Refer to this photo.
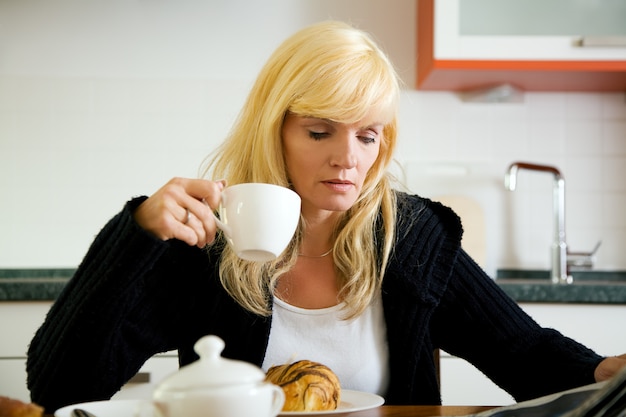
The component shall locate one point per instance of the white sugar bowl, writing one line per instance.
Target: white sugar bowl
(215, 386)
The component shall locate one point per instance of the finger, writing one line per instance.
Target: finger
(202, 208)
(609, 367)
(209, 191)
(198, 217)
(197, 228)
(182, 228)
(160, 215)
(199, 196)
(205, 232)
(176, 216)
(187, 217)
(202, 221)
(168, 212)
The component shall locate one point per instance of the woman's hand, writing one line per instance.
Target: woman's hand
(609, 367)
(181, 209)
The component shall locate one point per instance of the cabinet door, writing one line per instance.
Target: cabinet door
(450, 59)
(20, 320)
(151, 373)
(13, 378)
(597, 326)
(463, 384)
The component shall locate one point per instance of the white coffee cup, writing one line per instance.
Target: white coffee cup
(258, 219)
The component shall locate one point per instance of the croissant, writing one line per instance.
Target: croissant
(11, 407)
(308, 386)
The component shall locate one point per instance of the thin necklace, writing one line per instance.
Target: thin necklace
(317, 256)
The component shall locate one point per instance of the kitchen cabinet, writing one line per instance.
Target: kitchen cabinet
(18, 323)
(13, 378)
(597, 326)
(463, 384)
(151, 373)
(451, 56)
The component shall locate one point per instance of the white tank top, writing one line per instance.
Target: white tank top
(356, 349)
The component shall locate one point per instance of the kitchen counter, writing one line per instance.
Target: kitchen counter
(33, 284)
(589, 287)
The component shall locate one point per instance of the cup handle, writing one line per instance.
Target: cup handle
(225, 228)
(278, 401)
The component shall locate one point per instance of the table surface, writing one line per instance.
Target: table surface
(410, 411)
(417, 411)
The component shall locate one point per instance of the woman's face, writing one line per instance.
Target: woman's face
(327, 161)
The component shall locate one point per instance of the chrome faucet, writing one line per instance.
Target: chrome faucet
(559, 273)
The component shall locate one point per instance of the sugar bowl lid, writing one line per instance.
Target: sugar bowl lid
(211, 370)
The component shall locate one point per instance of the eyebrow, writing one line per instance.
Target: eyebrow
(333, 122)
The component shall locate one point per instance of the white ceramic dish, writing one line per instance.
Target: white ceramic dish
(113, 408)
(351, 401)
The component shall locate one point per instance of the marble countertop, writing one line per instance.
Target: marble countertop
(43, 284)
(589, 287)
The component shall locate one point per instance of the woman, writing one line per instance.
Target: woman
(372, 283)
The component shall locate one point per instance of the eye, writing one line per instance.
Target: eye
(317, 135)
(367, 139)
(368, 136)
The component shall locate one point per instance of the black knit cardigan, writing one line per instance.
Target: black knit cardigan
(134, 296)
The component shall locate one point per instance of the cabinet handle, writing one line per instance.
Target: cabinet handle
(140, 378)
(600, 41)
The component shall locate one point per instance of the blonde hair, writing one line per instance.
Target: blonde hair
(328, 70)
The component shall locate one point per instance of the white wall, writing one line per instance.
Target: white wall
(104, 100)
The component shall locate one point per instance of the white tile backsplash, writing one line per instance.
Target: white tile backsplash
(546, 106)
(583, 106)
(583, 135)
(578, 135)
(614, 174)
(613, 106)
(582, 174)
(547, 137)
(612, 137)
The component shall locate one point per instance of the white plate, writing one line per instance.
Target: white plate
(351, 401)
(113, 408)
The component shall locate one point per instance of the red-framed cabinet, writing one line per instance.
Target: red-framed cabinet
(449, 60)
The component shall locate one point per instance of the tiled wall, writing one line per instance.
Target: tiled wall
(455, 147)
(73, 150)
(91, 116)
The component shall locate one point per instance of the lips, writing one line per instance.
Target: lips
(339, 185)
(339, 182)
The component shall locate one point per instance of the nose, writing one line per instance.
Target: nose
(344, 152)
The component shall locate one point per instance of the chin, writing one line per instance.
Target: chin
(340, 206)
(336, 203)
